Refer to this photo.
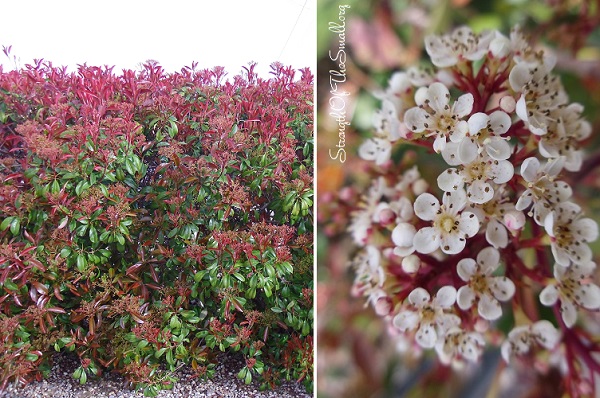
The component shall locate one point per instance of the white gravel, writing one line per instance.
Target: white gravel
(225, 384)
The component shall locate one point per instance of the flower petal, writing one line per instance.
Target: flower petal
(465, 297)
(455, 201)
(419, 297)
(569, 313)
(426, 240)
(477, 122)
(467, 150)
(415, 119)
(502, 171)
(445, 297)
(468, 223)
(463, 105)
(439, 96)
(480, 192)
(426, 206)
(466, 268)
(426, 336)
(529, 169)
(502, 288)
(549, 295)
(587, 229)
(452, 243)
(450, 154)
(406, 320)
(489, 308)
(499, 122)
(496, 234)
(450, 180)
(498, 148)
(588, 296)
(546, 334)
(488, 260)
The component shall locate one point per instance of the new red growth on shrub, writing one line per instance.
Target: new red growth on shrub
(151, 218)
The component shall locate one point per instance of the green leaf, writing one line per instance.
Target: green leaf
(6, 223)
(10, 285)
(81, 262)
(142, 344)
(239, 276)
(15, 226)
(93, 235)
(83, 378)
(248, 378)
(65, 252)
(160, 352)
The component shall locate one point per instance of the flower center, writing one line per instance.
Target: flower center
(479, 283)
(446, 223)
(427, 314)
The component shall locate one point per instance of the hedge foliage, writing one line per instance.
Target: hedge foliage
(150, 220)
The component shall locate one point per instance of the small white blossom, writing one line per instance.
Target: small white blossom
(499, 217)
(541, 94)
(480, 176)
(461, 44)
(521, 338)
(482, 285)
(363, 219)
(569, 233)
(430, 316)
(451, 226)
(485, 134)
(458, 344)
(435, 116)
(543, 190)
(574, 287)
(370, 275)
(376, 149)
(564, 136)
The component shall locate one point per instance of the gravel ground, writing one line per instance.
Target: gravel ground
(225, 384)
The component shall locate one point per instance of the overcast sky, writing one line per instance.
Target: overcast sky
(125, 33)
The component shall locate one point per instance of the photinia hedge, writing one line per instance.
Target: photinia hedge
(150, 220)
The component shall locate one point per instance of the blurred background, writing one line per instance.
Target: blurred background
(356, 356)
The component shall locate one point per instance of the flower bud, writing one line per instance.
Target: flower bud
(507, 104)
(411, 264)
(514, 220)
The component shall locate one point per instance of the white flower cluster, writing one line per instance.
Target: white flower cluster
(503, 125)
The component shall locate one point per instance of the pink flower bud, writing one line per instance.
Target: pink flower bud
(514, 220)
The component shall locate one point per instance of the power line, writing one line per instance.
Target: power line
(292, 31)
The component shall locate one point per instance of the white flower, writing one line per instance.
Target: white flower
(569, 233)
(541, 94)
(564, 135)
(482, 286)
(485, 133)
(370, 275)
(499, 216)
(362, 220)
(430, 316)
(524, 53)
(376, 149)
(451, 226)
(461, 44)
(574, 287)
(522, 337)
(480, 175)
(458, 344)
(542, 188)
(435, 116)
